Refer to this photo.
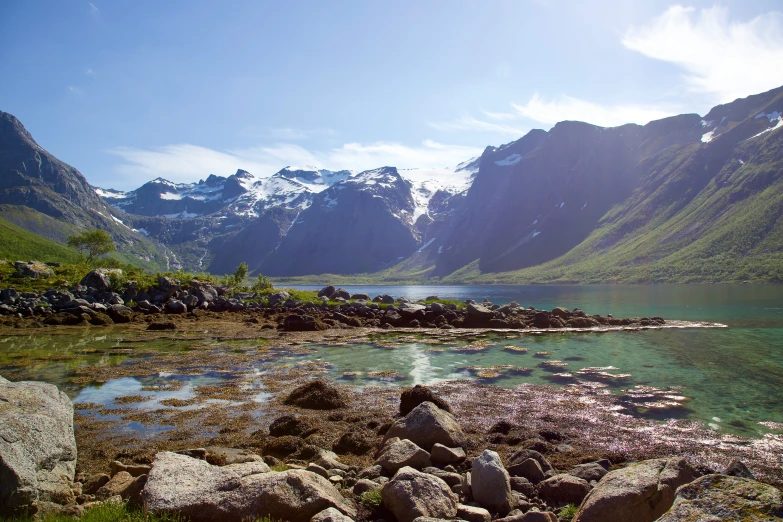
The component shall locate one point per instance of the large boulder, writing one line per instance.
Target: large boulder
(203, 492)
(640, 492)
(402, 453)
(33, 269)
(412, 397)
(479, 311)
(37, 447)
(426, 426)
(330, 515)
(412, 494)
(97, 279)
(563, 489)
(721, 497)
(302, 323)
(589, 472)
(318, 394)
(490, 483)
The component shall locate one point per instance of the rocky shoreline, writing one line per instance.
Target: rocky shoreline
(429, 458)
(94, 302)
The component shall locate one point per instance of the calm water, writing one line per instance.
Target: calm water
(733, 376)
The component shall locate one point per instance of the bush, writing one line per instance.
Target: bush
(568, 512)
(372, 498)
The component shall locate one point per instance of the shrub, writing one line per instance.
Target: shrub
(372, 498)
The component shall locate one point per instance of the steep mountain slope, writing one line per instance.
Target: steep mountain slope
(42, 194)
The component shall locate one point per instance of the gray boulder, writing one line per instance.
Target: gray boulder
(327, 291)
(720, 497)
(33, 269)
(175, 307)
(37, 447)
(445, 455)
(402, 453)
(330, 515)
(589, 472)
(426, 426)
(480, 312)
(640, 492)
(203, 492)
(490, 483)
(529, 469)
(473, 514)
(524, 454)
(412, 494)
(563, 489)
(97, 279)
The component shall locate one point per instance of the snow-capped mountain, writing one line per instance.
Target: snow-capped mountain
(207, 222)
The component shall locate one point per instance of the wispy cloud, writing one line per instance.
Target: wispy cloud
(719, 56)
(89, 72)
(294, 134)
(539, 111)
(75, 91)
(186, 162)
(93, 8)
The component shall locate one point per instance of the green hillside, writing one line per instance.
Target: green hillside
(19, 244)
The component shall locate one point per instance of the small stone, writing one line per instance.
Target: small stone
(529, 469)
(315, 468)
(444, 455)
(330, 515)
(473, 514)
(400, 454)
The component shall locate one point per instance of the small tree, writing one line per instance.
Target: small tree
(241, 273)
(262, 283)
(94, 242)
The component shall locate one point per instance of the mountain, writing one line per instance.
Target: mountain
(42, 194)
(685, 198)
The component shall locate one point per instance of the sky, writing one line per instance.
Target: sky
(127, 91)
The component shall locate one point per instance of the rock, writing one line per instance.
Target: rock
(278, 298)
(563, 489)
(97, 279)
(315, 468)
(412, 397)
(360, 297)
(292, 425)
(641, 492)
(426, 426)
(541, 320)
(330, 515)
(529, 469)
(589, 472)
(738, 469)
(479, 312)
(473, 514)
(400, 454)
(535, 516)
(168, 286)
(363, 486)
(220, 456)
(490, 483)
(124, 485)
(444, 455)
(328, 459)
(354, 443)
(94, 482)
(282, 447)
(203, 291)
(162, 326)
(175, 307)
(522, 485)
(33, 269)
(327, 291)
(133, 470)
(302, 323)
(37, 446)
(713, 498)
(120, 313)
(373, 472)
(340, 293)
(317, 394)
(411, 494)
(203, 492)
(524, 454)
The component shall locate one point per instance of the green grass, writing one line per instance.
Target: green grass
(568, 512)
(372, 498)
(104, 513)
(18, 244)
(280, 467)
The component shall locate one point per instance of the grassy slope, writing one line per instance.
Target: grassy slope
(17, 243)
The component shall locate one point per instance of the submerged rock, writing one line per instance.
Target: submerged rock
(37, 447)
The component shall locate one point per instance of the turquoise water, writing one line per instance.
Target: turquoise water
(730, 378)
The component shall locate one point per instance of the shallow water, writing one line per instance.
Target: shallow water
(729, 378)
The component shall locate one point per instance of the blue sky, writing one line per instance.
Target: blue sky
(128, 91)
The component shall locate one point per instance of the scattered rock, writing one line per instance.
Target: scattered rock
(330, 515)
(641, 492)
(97, 279)
(738, 469)
(426, 426)
(318, 394)
(94, 482)
(33, 269)
(124, 485)
(522, 485)
(203, 492)
(363, 486)
(589, 472)
(529, 469)
(37, 447)
(524, 454)
(133, 470)
(563, 489)
(400, 454)
(720, 497)
(490, 483)
(412, 494)
(412, 397)
(473, 514)
(445, 455)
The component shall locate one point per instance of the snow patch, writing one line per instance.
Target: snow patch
(143, 231)
(535, 233)
(708, 137)
(511, 160)
(777, 126)
(425, 245)
(170, 196)
(561, 204)
(706, 123)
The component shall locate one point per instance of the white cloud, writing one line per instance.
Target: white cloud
(93, 8)
(75, 91)
(468, 122)
(89, 72)
(719, 56)
(294, 134)
(568, 108)
(187, 163)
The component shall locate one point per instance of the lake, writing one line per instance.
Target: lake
(730, 378)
